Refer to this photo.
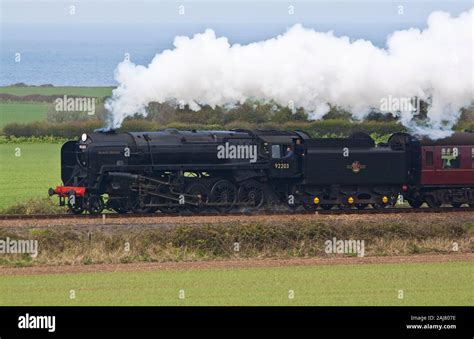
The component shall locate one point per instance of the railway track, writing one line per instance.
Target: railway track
(105, 216)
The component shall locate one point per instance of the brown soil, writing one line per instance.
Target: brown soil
(243, 263)
(166, 220)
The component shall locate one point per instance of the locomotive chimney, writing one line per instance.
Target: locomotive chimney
(104, 130)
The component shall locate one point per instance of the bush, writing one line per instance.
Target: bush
(40, 129)
(315, 128)
(54, 116)
(34, 206)
(466, 126)
(32, 140)
(285, 239)
(344, 128)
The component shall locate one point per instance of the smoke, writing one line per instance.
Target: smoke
(309, 69)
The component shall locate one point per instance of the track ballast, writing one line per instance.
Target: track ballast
(237, 213)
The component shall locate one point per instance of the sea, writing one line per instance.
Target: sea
(73, 60)
(40, 43)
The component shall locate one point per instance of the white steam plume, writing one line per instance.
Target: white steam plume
(311, 69)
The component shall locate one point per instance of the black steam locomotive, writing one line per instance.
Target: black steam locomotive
(173, 171)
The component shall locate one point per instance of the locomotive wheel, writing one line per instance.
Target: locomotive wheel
(223, 192)
(117, 205)
(326, 207)
(164, 189)
(379, 206)
(78, 206)
(120, 210)
(135, 204)
(293, 207)
(310, 207)
(95, 204)
(456, 204)
(415, 203)
(361, 206)
(344, 206)
(250, 193)
(432, 202)
(201, 192)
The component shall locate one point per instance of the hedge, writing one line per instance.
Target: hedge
(315, 128)
(322, 128)
(260, 239)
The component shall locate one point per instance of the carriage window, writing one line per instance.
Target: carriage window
(276, 152)
(450, 157)
(429, 158)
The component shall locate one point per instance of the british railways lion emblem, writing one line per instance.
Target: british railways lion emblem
(356, 167)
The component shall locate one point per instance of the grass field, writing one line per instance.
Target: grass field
(82, 91)
(422, 284)
(29, 175)
(22, 112)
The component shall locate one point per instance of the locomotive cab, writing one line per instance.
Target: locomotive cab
(283, 152)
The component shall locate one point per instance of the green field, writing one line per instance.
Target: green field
(379, 284)
(30, 174)
(22, 112)
(80, 91)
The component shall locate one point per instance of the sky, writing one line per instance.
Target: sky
(81, 42)
(242, 21)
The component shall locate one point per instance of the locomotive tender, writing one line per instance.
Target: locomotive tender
(173, 171)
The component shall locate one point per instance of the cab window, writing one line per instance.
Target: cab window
(450, 157)
(276, 152)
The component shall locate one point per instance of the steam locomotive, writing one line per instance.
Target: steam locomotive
(194, 171)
